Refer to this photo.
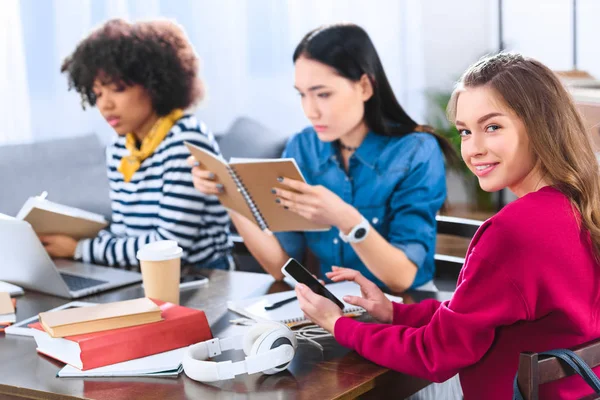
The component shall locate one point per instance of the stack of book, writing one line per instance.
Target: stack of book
(139, 337)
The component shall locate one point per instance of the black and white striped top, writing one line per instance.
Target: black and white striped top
(160, 202)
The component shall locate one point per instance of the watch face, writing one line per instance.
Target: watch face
(360, 233)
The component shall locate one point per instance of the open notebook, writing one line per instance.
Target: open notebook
(290, 313)
(248, 184)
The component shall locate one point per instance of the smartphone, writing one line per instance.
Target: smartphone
(295, 271)
(187, 281)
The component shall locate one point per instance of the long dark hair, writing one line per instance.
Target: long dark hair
(348, 49)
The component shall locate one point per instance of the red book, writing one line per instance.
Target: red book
(180, 327)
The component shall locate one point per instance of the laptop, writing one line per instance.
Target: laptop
(25, 262)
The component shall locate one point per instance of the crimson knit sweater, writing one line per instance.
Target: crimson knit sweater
(529, 283)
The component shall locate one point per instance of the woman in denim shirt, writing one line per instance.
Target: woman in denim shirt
(373, 174)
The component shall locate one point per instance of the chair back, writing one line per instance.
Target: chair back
(449, 266)
(535, 370)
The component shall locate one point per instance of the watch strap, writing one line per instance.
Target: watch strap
(358, 233)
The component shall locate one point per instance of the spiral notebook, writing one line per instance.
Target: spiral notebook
(248, 185)
(290, 313)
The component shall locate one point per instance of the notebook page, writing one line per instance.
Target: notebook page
(42, 204)
(46, 217)
(254, 308)
(259, 178)
(231, 198)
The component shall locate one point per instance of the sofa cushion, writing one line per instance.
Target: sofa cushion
(71, 170)
(249, 139)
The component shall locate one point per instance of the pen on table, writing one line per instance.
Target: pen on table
(279, 303)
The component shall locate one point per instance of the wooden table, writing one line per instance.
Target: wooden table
(336, 373)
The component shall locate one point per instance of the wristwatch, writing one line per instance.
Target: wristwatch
(358, 233)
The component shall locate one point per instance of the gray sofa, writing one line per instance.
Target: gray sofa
(73, 172)
(248, 138)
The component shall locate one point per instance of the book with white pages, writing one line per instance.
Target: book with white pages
(290, 313)
(47, 217)
(163, 365)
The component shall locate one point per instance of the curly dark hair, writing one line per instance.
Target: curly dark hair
(156, 55)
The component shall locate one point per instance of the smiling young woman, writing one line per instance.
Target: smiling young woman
(530, 280)
(142, 77)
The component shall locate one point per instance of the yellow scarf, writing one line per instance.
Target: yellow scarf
(131, 163)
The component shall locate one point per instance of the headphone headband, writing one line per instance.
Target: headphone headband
(271, 352)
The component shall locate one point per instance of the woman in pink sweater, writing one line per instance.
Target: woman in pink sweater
(531, 279)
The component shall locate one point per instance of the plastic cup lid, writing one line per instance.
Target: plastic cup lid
(159, 251)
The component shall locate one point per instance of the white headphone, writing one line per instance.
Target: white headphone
(269, 348)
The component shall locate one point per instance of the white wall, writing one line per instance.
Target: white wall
(246, 49)
(455, 34)
(588, 12)
(544, 30)
(541, 30)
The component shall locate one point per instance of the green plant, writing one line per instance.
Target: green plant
(438, 101)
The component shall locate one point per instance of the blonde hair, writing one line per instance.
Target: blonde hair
(556, 132)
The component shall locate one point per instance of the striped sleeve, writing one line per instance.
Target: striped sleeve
(174, 210)
(112, 250)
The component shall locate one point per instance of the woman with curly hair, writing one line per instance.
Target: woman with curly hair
(142, 77)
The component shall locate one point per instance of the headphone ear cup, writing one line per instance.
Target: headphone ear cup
(254, 333)
(271, 339)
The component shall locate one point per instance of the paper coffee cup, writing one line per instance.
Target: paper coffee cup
(160, 263)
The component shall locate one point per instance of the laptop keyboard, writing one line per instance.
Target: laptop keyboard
(76, 283)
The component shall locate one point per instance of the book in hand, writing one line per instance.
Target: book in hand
(103, 317)
(13, 290)
(162, 365)
(7, 309)
(290, 312)
(180, 327)
(47, 217)
(248, 184)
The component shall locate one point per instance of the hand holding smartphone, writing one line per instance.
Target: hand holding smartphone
(295, 271)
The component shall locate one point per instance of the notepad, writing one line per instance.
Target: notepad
(103, 317)
(46, 217)
(248, 184)
(290, 313)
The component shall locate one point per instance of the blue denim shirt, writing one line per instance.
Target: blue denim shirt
(397, 183)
